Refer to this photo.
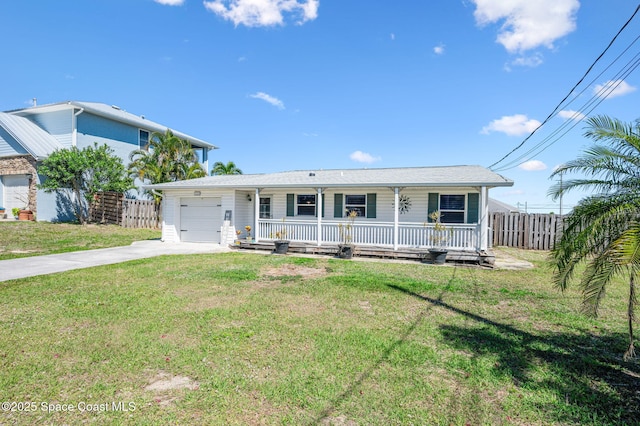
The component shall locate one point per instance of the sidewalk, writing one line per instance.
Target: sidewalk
(41, 265)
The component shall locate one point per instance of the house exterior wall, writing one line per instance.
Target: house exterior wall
(171, 209)
(8, 145)
(243, 210)
(418, 197)
(58, 124)
(22, 165)
(122, 138)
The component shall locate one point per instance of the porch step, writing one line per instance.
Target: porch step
(453, 256)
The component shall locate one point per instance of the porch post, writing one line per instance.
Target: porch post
(396, 203)
(256, 215)
(484, 218)
(319, 215)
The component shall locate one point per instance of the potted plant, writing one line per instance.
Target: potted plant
(441, 234)
(238, 232)
(345, 249)
(23, 213)
(281, 244)
(248, 229)
(15, 212)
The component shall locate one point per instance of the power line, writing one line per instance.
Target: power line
(585, 110)
(555, 110)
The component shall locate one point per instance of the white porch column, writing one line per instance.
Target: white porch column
(256, 215)
(319, 210)
(396, 203)
(484, 218)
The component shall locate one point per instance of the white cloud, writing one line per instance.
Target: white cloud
(263, 13)
(528, 24)
(613, 88)
(392, 36)
(363, 157)
(170, 2)
(439, 49)
(569, 114)
(512, 125)
(530, 61)
(269, 99)
(533, 166)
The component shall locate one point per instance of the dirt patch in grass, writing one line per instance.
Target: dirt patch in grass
(291, 270)
(163, 384)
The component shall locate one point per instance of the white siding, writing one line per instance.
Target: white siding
(171, 209)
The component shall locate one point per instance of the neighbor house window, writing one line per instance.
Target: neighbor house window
(356, 203)
(143, 138)
(306, 205)
(452, 208)
(265, 208)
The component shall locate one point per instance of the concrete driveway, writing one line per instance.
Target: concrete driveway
(41, 265)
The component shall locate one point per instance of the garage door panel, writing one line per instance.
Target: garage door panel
(16, 191)
(200, 219)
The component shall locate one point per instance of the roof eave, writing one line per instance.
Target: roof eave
(185, 185)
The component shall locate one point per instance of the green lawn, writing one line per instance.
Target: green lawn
(25, 238)
(239, 338)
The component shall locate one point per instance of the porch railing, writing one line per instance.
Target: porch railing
(462, 236)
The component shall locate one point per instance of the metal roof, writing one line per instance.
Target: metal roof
(29, 135)
(115, 113)
(445, 176)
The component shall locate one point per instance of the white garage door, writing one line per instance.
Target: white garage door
(200, 219)
(16, 191)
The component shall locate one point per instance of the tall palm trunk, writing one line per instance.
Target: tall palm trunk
(631, 350)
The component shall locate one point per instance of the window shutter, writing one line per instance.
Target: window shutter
(433, 205)
(371, 206)
(473, 206)
(337, 205)
(323, 203)
(291, 205)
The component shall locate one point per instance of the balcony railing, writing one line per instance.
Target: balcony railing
(460, 236)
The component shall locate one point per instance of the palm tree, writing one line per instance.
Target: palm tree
(603, 231)
(166, 158)
(220, 168)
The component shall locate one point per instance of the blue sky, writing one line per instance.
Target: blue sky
(318, 84)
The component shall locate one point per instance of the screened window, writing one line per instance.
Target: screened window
(306, 205)
(356, 203)
(143, 138)
(265, 208)
(452, 208)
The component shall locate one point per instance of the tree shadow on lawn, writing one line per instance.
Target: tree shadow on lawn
(587, 371)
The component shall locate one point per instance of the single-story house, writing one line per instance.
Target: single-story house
(393, 205)
(29, 135)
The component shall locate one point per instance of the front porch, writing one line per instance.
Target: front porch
(466, 257)
(382, 235)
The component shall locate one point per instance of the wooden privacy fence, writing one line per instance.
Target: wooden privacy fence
(114, 208)
(532, 231)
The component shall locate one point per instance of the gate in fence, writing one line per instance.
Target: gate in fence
(114, 208)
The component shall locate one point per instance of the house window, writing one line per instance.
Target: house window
(143, 138)
(356, 203)
(306, 205)
(265, 207)
(452, 208)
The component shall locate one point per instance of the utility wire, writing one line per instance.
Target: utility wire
(553, 113)
(573, 121)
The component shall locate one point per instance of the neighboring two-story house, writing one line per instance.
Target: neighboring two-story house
(28, 136)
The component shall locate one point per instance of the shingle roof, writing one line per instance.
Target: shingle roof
(29, 135)
(446, 176)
